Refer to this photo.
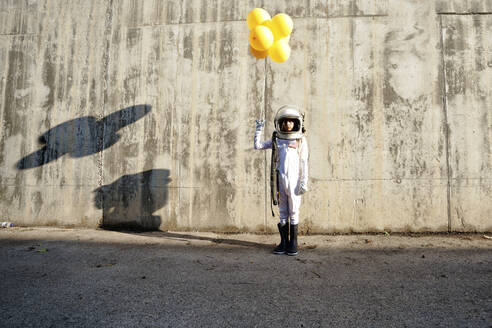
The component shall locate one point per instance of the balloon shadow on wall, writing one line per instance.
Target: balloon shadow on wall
(128, 203)
(82, 136)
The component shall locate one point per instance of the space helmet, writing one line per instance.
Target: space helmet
(292, 113)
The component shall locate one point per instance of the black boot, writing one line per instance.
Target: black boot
(284, 238)
(292, 246)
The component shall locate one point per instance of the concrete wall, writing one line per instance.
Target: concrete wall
(141, 112)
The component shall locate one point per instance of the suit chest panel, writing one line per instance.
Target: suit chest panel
(287, 145)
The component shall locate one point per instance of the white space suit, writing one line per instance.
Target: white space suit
(292, 166)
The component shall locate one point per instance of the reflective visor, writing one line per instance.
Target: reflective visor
(297, 124)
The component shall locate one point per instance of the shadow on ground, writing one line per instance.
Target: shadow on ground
(187, 237)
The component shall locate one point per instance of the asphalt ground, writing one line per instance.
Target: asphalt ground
(53, 277)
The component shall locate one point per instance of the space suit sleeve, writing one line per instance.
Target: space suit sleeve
(304, 164)
(258, 143)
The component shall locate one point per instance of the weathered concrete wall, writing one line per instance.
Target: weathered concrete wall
(468, 76)
(142, 113)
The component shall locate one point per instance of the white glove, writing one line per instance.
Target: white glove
(302, 188)
(260, 124)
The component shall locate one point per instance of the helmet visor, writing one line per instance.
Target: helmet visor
(289, 124)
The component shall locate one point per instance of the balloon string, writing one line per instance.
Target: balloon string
(265, 153)
(265, 93)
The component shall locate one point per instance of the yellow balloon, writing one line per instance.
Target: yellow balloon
(261, 38)
(280, 51)
(256, 17)
(258, 54)
(283, 24)
(287, 38)
(273, 28)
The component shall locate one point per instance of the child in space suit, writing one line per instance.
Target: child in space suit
(291, 164)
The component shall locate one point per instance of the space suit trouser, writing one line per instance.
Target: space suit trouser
(289, 201)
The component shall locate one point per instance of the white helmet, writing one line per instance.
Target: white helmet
(291, 113)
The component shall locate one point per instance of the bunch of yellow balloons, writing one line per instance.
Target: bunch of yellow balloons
(269, 36)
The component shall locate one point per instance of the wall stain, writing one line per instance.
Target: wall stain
(188, 46)
(456, 79)
(364, 116)
(226, 50)
(12, 118)
(36, 202)
(207, 45)
(133, 37)
(188, 14)
(48, 76)
(173, 12)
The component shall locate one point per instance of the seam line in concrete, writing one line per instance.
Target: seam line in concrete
(244, 20)
(446, 124)
(408, 179)
(385, 179)
(94, 186)
(109, 36)
(465, 14)
(191, 187)
(18, 34)
(345, 16)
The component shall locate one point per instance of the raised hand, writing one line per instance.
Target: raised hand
(260, 124)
